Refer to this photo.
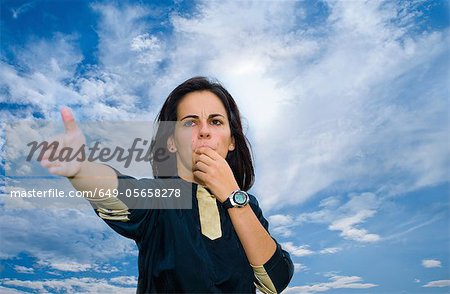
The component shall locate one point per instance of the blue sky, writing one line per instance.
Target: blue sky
(346, 104)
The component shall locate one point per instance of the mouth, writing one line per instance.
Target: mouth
(205, 145)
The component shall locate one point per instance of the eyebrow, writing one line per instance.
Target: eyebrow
(196, 116)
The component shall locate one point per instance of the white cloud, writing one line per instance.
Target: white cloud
(55, 59)
(38, 232)
(7, 290)
(297, 250)
(15, 203)
(42, 90)
(67, 266)
(282, 224)
(281, 220)
(344, 217)
(68, 285)
(347, 217)
(414, 224)
(38, 80)
(438, 283)
(348, 230)
(16, 12)
(298, 267)
(304, 250)
(336, 282)
(149, 48)
(110, 90)
(430, 263)
(330, 250)
(334, 139)
(23, 269)
(125, 280)
(329, 202)
(144, 42)
(105, 268)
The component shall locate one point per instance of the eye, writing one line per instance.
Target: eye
(189, 123)
(216, 122)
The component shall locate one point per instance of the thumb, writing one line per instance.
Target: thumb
(68, 120)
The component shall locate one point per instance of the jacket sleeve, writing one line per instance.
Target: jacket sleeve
(116, 211)
(275, 275)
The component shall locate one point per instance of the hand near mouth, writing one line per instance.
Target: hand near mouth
(212, 170)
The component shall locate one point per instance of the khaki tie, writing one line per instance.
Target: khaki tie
(209, 214)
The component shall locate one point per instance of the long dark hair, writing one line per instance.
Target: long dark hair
(240, 159)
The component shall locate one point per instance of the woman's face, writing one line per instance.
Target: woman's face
(202, 121)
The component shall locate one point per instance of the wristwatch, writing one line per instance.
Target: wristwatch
(237, 198)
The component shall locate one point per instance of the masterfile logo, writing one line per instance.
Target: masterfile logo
(96, 153)
(123, 145)
(128, 147)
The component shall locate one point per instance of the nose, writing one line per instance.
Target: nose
(204, 132)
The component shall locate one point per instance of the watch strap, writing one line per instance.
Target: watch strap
(227, 203)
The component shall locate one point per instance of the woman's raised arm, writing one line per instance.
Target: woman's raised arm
(84, 175)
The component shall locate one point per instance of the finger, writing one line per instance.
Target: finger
(54, 151)
(200, 166)
(47, 163)
(200, 176)
(208, 151)
(47, 154)
(68, 120)
(204, 159)
(53, 146)
(57, 170)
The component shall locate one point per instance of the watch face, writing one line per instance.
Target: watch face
(240, 198)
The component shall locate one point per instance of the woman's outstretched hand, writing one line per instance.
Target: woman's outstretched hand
(72, 140)
(213, 170)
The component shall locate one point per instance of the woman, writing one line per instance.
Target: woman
(222, 244)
